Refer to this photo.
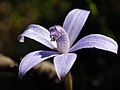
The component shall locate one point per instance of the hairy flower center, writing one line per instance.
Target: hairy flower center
(58, 34)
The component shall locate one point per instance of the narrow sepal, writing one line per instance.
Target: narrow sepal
(63, 64)
(33, 58)
(39, 34)
(96, 41)
(74, 22)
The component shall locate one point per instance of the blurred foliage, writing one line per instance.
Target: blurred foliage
(98, 70)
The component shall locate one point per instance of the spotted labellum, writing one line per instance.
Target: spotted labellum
(61, 40)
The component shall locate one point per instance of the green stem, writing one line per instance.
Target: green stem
(68, 82)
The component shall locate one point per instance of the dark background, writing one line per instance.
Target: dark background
(94, 69)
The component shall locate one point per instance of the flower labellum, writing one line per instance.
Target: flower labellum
(61, 40)
(59, 35)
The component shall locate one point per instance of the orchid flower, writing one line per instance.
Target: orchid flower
(61, 40)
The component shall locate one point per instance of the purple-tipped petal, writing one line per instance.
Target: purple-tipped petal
(33, 58)
(39, 34)
(96, 41)
(63, 64)
(74, 22)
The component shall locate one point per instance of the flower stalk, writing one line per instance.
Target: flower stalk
(68, 82)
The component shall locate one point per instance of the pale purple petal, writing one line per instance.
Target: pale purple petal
(33, 58)
(39, 34)
(63, 64)
(96, 41)
(74, 22)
